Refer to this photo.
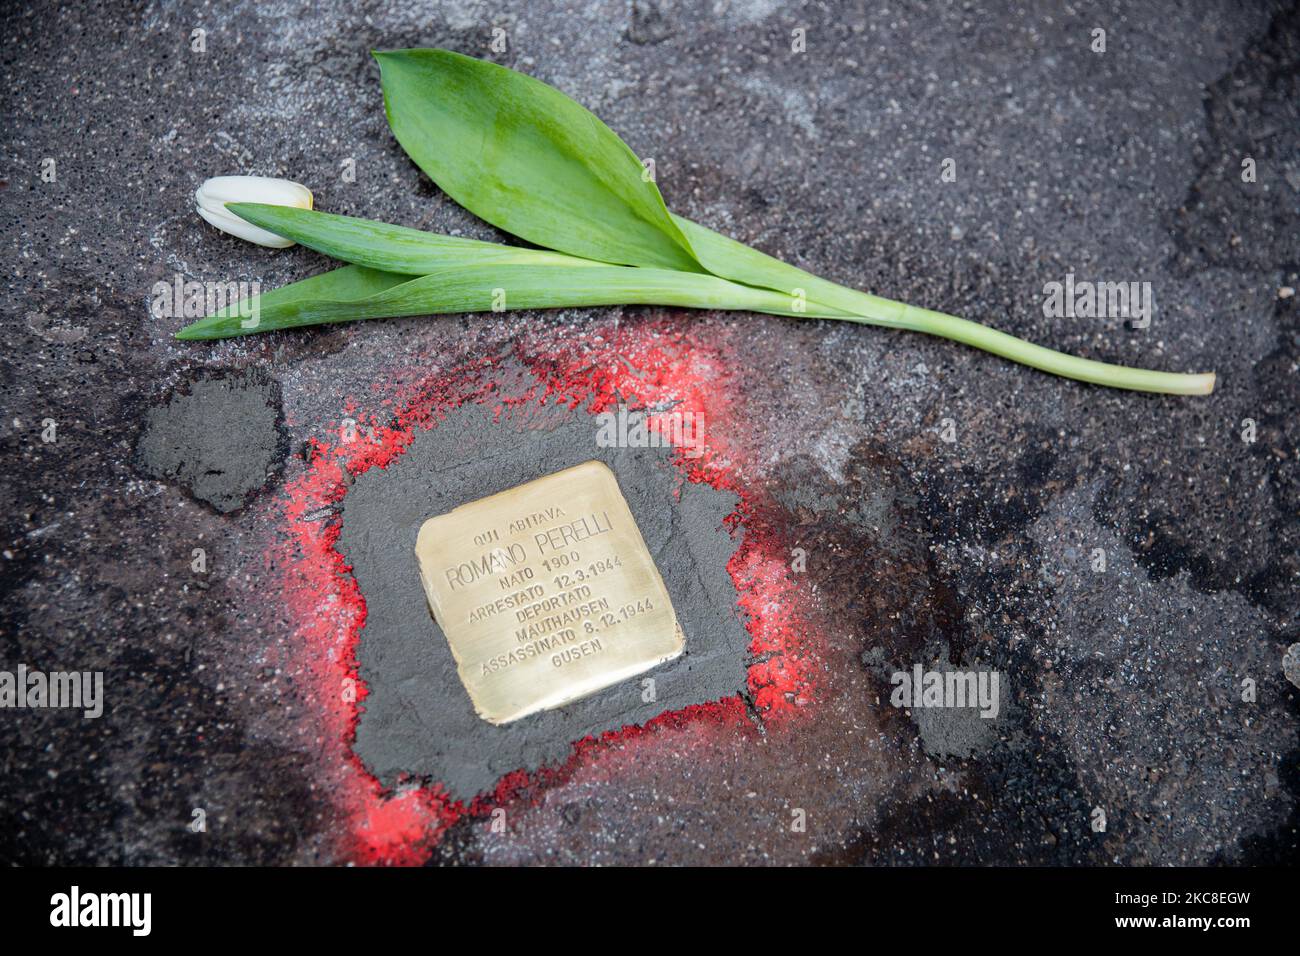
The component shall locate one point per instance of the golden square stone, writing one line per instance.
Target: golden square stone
(546, 593)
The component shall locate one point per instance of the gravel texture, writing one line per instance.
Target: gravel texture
(1149, 687)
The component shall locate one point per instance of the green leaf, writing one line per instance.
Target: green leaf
(347, 283)
(528, 159)
(377, 245)
(738, 262)
(487, 288)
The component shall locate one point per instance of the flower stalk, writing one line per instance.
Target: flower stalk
(526, 158)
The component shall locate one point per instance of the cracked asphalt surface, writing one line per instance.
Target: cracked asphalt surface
(1145, 683)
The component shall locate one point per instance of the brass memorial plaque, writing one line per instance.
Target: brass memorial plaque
(546, 593)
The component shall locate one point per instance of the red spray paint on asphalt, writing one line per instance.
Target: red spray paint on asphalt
(651, 364)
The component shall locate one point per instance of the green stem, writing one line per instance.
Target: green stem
(758, 282)
(878, 311)
(869, 309)
(738, 262)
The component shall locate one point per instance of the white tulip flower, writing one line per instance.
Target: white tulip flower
(212, 196)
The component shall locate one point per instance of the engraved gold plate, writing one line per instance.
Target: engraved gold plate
(546, 593)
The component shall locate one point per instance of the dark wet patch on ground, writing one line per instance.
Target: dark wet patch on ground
(219, 437)
(1252, 114)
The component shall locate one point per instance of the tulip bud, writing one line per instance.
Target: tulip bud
(212, 196)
